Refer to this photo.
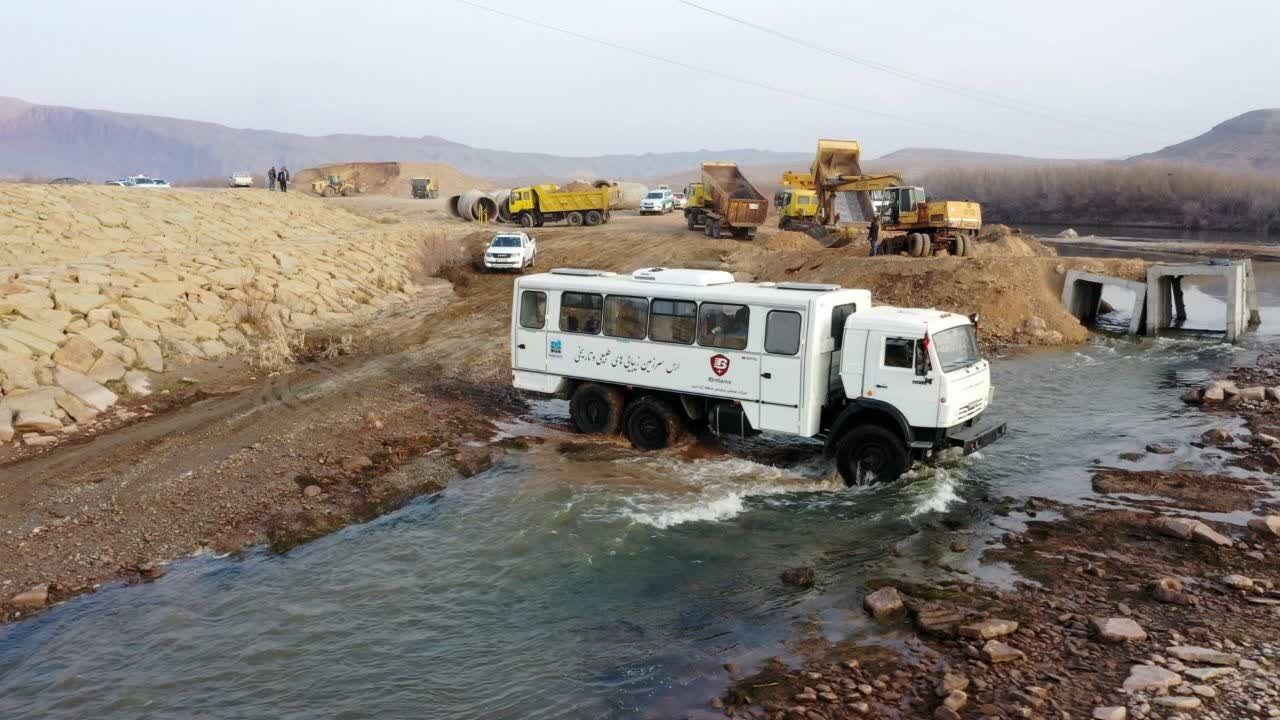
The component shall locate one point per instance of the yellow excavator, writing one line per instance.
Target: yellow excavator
(918, 226)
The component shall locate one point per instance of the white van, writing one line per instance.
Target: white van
(652, 353)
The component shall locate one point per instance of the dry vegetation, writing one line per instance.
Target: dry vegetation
(436, 255)
(1150, 194)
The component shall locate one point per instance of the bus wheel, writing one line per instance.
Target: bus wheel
(870, 454)
(652, 424)
(596, 409)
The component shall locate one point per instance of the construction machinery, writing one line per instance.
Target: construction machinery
(725, 201)
(910, 222)
(424, 188)
(333, 185)
(537, 205)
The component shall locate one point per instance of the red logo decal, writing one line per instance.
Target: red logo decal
(719, 365)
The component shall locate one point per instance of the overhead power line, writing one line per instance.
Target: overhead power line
(944, 85)
(711, 72)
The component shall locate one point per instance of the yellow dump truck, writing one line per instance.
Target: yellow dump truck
(536, 205)
(725, 201)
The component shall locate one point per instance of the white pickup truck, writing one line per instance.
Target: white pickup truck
(652, 353)
(511, 251)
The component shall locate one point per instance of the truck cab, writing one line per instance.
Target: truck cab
(663, 350)
(795, 204)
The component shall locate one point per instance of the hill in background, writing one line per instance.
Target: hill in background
(1245, 142)
(47, 140)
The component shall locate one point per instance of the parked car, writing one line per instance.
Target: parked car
(122, 182)
(657, 202)
(511, 251)
(681, 202)
(241, 180)
(142, 181)
(68, 181)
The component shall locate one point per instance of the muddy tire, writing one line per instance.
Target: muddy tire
(596, 409)
(574, 218)
(328, 191)
(607, 216)
(689, 223)
(870, 454)
(961, 246)
(915, 245)
(652, 424)
(593, 218)
(526, 219)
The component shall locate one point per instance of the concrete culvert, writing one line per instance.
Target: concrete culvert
(453, 205)
(504, 210)
(629, 195)
(474, 203)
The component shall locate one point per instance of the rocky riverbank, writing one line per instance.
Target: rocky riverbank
(1146, 611)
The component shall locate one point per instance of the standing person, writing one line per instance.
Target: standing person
(271, 178)
(283, 178)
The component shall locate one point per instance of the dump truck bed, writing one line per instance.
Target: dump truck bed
(732, 197)
(581, 200)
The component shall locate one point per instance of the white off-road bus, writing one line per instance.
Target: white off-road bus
(655, 352)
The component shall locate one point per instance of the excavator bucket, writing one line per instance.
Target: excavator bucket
(829, 240)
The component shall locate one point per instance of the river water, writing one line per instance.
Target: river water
(582, 580)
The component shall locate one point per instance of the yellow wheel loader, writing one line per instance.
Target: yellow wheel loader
(332, 186)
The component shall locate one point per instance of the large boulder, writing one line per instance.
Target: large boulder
(77, 353)
(79, 301)
(1201, 655)
(997, 652)
(86, 389)
(1269, 525)
(987, 629)
(19, 371)
(28, 421)
(1117, 630)
(1150, 678)
(883, 602)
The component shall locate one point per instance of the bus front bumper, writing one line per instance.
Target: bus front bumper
(974, 438)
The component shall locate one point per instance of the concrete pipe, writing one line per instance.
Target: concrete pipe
(504, 210)
(630, 194)
(452, 204)
(474, 204)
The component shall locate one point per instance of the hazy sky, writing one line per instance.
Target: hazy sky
(1063, 79)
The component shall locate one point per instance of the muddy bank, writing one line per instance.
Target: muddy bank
(1145, 610)
(280, 462)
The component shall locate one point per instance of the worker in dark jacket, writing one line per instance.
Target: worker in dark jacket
(283, 178)
(271, 178)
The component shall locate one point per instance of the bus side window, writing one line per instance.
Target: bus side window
(533, 309)
(723, 326)
(581, 312)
